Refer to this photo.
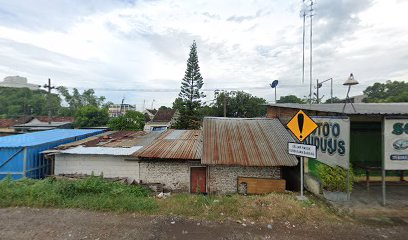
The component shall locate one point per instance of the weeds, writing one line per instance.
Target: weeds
(90, 193)
(96, 193)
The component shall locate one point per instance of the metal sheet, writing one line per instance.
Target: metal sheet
(174, 144)
(43, 137)
(361, 108)
(246, 142)
(102, 150)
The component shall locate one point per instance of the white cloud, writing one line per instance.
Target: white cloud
(241, 44)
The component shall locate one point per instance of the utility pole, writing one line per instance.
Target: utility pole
(303, 55)
(49, 87)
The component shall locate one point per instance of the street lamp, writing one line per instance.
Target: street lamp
(349, 82)
(320, 84)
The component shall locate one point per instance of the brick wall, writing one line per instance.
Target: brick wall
(110, 166)
(175, 175)
(223, 179)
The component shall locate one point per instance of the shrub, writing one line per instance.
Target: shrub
(334, 179)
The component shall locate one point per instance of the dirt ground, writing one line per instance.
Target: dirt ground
(32, 223)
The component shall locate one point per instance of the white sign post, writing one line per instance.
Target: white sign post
(395, 146)
(301, 150)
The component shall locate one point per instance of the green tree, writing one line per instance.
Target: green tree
(91, 116)
(190, 93)
(334, 100)
(77, 100)
(132, 120)
(290, 99)
(391, 91)
(15, 102)
(239, 104)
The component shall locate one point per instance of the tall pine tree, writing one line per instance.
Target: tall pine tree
(190, 93)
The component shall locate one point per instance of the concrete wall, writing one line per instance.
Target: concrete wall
(223, 179)
(110, 166)
(175, 175)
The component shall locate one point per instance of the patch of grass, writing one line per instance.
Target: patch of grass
(91, 193)
(274, 206)
(95, 193)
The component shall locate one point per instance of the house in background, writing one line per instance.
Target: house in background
(149, 114)
(40, 123)
(6, 125)
(162, 120)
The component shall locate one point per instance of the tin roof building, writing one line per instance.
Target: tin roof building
(20, 155)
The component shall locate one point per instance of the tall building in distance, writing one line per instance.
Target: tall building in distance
(116, 110)
(18, 82)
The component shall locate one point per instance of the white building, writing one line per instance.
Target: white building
(18, 82)
(116, 110)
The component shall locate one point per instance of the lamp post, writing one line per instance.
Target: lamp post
(349, 82)
(320, 84)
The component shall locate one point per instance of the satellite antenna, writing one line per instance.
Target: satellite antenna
(274, 84)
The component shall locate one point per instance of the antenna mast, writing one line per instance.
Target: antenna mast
(311, 42)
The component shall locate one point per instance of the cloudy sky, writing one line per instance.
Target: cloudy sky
(138, 49)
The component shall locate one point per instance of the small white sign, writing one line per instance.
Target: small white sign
(303, 150)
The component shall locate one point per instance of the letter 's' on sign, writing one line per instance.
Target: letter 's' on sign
(301, 125)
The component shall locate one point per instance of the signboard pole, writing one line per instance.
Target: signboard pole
(383, 161)
(348, 184)
(301, 177)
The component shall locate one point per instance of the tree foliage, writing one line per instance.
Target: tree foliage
(190, 93)
(77, 100)
(290, 99)
(15, 102)
(132, 120)
(391, 91)
(239, 105)
(91, 116)
(333, 100)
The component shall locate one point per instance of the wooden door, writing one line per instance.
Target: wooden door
(198, 179)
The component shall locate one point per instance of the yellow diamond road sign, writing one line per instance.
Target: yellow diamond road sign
(301, 125)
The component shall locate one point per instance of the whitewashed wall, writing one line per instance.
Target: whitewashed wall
(110, 166)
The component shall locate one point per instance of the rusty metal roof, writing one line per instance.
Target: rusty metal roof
(246, 142)
(174, 144)
(119, 139)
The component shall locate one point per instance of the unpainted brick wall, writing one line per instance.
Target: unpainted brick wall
(223, 179)
(175, 175)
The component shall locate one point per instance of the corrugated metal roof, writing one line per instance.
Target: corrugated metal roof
(37, 138)
(174, 144)
(124, 139)
(361, 108)
(246, 142)
(102, 150)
